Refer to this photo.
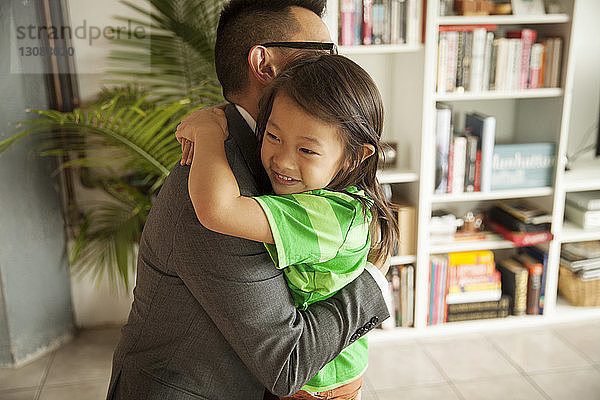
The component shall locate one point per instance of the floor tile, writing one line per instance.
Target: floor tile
(18, 395)
(468, 359)
(579, 384)
(369, 396)
(584, 337)
(392, 366)
(29, 375)
(514, 387)
(92, 390)
(89, 356)
(437, 392)
(538, 350)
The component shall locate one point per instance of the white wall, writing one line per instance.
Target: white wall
(586, 86)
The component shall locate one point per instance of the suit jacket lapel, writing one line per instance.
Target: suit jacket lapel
(249, 146)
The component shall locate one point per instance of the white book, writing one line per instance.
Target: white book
(413, 21)
(472, 297)
(535, 65)
(443, 133)
(513, 72)
(442, 62)
(451, 61)
(477, 59)
(501, 63)
(459, 157)
(583, 218)
(487, 60)
(589, 200)
(549, 52)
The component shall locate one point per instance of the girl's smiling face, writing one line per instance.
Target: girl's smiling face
(299, 152)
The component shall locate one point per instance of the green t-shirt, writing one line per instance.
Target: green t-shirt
(321, 242)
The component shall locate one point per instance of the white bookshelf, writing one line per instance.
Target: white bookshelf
(535, 115)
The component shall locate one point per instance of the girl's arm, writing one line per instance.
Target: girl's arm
(211, 184)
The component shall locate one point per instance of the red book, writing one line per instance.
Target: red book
(466, 28)
(521, 239)
(367, 21)
(347, 23)
(477, 184)
(527, 37)
(450, 167)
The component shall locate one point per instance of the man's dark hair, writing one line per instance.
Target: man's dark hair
(246, 23)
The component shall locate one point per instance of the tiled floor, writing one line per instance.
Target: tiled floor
(551, 362)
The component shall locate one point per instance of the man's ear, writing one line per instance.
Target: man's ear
(368, 151)
(261, 64)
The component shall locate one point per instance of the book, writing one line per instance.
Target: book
(458, 155)
(510, 222)
(502, 64)
(471, 169)
(406, 215)
(534, 280)
(398, 22)
(482, 259)
(478, 59)
(379, 14)
(367, 25)
(474, 315)
(540, 253)
(535, 66)
(484, 127)
(584, 218)
(525, 212)
(514, 284)
(413, 21)
(521, 239)
(458, 308)
(443, 136)
(358, 22)
(524, 165)
(585, 200)
(347, 22)
(527, 37)
(487, 61)
(583, 250)
(407, 295)
(556, 62)
(514, 64)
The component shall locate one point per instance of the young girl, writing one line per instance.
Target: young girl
(320, 122)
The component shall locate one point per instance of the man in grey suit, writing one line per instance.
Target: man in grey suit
(212, 318)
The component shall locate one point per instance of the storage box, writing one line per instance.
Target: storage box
(516, 166)
(578, 292)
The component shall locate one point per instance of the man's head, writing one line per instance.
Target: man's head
(244, 24)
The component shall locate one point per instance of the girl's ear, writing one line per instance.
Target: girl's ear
(368, 151)
(261, 64)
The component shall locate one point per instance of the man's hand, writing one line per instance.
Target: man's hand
(197, 125)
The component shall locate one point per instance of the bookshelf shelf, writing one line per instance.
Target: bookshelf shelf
(470, 245)
(583, 176)
(379, 49)
(573, 233)
(494, 195)
(402, 260)
(505, 19)
(499, 95)
(397, 175)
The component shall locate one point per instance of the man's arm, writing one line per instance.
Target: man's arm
(252, 307)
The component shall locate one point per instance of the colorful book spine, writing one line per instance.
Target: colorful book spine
(541, 256)
(347, 23)
(358, 19)
(521, 239)
(514, 284)
(535, 270)
(367, 26)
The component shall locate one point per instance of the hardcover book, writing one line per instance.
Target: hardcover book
(514, 284)
(514, 224)
(585, 200)
(517, 166)
(525, 212)
(521, 239)
(484, 127)
(534, 285)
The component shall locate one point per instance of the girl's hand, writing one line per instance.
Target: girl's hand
(199, 125)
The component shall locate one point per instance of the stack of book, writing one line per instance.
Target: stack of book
(476, 58)
(464, 160)
(471, 161)
(465, 286)
(520, 222)
(522, 281)
(401, 279)
(582, 258)
(583, 209)
(366, 22)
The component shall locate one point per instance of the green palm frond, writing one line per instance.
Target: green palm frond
(109, 233)
(174, 57)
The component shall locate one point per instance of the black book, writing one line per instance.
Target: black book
(514, 224)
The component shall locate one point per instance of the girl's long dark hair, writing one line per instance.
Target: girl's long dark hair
(337, 91)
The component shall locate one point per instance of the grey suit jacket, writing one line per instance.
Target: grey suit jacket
(212, 318)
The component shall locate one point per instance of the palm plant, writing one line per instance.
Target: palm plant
(123, 144)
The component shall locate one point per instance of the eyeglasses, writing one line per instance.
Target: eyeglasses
(325, 46)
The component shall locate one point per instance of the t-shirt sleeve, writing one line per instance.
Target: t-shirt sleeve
(307, 228)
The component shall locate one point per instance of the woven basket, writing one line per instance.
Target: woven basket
(578, 292)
